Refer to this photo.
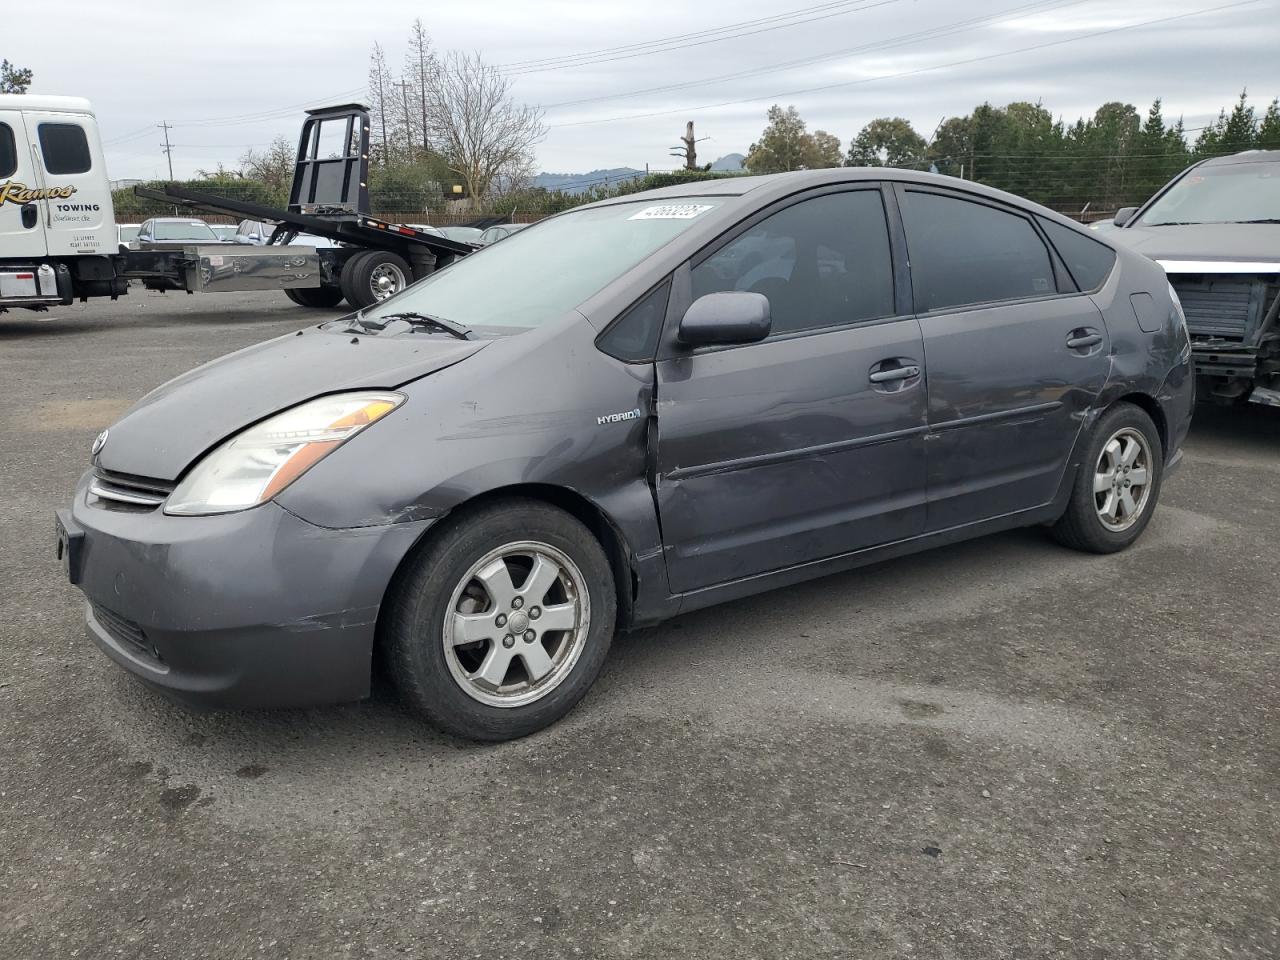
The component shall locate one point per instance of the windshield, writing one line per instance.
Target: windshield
(186, 230)
(1233, 193)
(542, 273)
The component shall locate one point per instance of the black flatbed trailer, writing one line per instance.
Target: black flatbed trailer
(370, 260)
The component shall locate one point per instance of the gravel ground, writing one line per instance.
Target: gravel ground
(998, 749)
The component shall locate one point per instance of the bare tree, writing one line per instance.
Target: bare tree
(382, 93)
(420, 67)
(272, 166)
(485, 136)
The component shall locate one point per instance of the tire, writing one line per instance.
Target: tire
(318, 298)
(495, 687)
(374, 275)
(1102, 522)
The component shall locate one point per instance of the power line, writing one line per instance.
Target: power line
(865, 5)
(933, 33)
(542, 61)
(911, 73)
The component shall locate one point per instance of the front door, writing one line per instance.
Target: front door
(1016, 356)
(77, 215)
(21, 218)
(808, 444)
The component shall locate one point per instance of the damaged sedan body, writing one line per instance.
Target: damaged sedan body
(634, 409)
(1215, 228)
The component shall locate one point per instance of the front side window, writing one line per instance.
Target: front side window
(1226, 193)
(965, 253)
(821, 262)
(8, 151)
(65, 148)
(542, 273)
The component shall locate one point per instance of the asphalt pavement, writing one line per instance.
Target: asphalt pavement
(997, 749)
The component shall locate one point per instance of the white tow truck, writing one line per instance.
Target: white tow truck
(58, 239)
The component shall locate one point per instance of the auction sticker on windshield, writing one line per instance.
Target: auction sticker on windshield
(671, 211)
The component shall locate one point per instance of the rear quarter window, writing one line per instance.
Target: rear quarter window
(1089, 261)
(8, 151)
(65, 148)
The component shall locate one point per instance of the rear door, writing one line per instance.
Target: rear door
(77, 214)
(808, 444)
(1016, 355)
(21, 220)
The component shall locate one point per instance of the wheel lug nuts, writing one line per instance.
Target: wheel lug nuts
(508, 641)
(529, 636)
(501, 620)
(535, 613)
(517, 603)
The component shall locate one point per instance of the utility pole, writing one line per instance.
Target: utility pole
(168, 147)
(688, 151)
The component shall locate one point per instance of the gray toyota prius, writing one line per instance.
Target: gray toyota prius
(634, 409)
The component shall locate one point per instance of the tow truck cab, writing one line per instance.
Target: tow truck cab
(57, 226)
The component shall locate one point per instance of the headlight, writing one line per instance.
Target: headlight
(255, 465)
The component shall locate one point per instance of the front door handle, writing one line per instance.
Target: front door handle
(30, 215)
(894, 373)
(1084, 340)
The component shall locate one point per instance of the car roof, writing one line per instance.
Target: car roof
(50, 104)
(1248, 156)
(767, 187)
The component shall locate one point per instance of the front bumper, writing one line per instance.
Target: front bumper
(251, 609)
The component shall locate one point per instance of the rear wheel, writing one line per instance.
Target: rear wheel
(374, 275)
(1118, 485)
(502, 623)
(316, 297)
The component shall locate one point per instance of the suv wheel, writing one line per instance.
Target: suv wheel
(1118, 484)
(502, 623)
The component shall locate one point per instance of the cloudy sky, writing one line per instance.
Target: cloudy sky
(618, 81)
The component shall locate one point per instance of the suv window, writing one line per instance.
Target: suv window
(821, 262)
(964, 252)
(1088, 260)
(8, 151)
(65, 148)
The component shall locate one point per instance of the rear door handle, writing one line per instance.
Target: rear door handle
(1087, 340)
(894, 373)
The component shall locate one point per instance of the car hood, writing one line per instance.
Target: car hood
(1234, 242)
(177, 422)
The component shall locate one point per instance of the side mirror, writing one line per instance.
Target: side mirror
(730, 317)
(1124, 215)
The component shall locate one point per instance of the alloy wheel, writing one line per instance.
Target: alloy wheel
(1122, 479)
(385, 280)
(517, 623)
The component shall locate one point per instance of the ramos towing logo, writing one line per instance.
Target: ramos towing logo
(12, 191)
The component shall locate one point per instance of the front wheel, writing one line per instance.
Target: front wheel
(502, 623)
(1118, 485)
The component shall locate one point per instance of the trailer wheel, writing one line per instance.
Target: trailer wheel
(374, 275)
(316, 297)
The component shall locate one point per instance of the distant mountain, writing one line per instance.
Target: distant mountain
(578, 182)
(729, 162)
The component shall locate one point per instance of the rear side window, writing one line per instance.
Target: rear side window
(963, 252)
(633, 337)
(8, 151)
(821, 262)
(1088, 260)
(65, 148)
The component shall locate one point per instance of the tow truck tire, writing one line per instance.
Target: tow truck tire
(374, 275)
(316, 297)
